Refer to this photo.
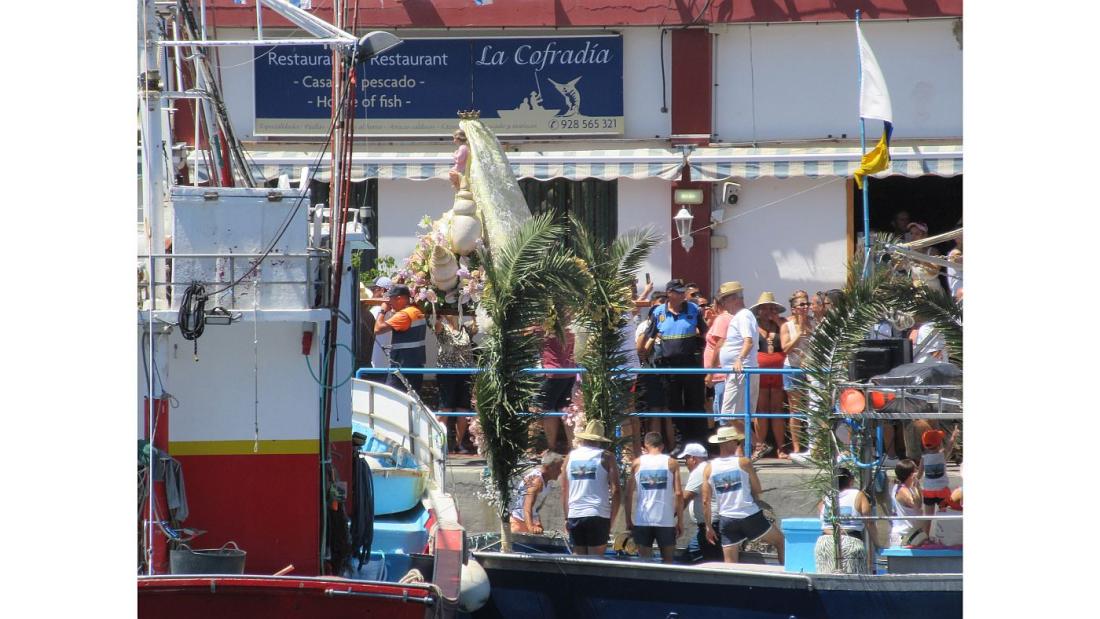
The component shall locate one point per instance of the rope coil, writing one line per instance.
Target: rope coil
(192, 314)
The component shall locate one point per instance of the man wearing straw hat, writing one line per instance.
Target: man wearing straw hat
(737, 352)
(733, 479)
(590, 491)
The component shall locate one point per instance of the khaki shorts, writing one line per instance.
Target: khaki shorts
(733, 398)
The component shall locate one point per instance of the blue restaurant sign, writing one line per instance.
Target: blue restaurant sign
(523, 86)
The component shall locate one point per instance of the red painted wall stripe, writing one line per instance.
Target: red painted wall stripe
(692, 104)
(566, 13)
(692, 82)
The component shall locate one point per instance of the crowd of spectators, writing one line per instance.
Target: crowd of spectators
(673, 327)
(678, 328)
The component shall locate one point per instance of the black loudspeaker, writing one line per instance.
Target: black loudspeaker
(876, 357)
(870, 361)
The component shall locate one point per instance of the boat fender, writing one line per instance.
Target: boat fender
(473, 587)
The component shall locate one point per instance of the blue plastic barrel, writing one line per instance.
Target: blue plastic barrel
(800, 535)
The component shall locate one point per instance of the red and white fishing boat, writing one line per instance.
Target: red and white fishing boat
(266, 456)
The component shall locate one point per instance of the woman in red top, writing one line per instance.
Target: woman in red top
(770, 355)
(556, 389)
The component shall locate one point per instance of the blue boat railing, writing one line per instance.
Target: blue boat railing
(746, 417)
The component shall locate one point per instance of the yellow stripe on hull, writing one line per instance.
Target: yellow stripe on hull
(250, 447)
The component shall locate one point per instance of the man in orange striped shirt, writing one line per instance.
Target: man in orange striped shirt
(409, 329)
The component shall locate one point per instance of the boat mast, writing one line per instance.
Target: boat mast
(153, 150)
(343, 101)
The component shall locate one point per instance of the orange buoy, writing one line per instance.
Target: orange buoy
(880, 399)
(852, 401)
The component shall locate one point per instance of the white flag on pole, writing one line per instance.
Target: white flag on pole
(874, 98)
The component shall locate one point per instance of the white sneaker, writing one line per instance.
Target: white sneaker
(800, 457)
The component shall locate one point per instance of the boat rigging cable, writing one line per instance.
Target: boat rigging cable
(233, 145)
(290, 216)
(344, 91)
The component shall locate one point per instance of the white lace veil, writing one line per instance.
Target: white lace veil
(496, 192)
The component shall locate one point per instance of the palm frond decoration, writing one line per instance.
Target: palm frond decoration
(935, 306)
(601, 312)
(867, 300)
(526, 276)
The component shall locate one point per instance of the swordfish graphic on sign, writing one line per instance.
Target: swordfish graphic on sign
(559, 65)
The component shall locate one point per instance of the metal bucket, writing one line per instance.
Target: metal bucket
(222, 560)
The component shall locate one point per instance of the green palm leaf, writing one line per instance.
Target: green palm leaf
(831, 349)
(527, 276)
(602, 312)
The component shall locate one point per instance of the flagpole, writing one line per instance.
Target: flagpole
(259, 20)
(866, 179)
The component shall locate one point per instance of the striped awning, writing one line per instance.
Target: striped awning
(717, 164)
(542, 165)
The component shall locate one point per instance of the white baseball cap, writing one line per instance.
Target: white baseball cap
(384, 283)
(695, 449)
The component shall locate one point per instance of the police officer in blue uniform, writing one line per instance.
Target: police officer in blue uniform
(678, 327)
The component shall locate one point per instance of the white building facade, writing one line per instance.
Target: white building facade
(783, 123)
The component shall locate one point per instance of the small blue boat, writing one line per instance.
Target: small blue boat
(399, 482)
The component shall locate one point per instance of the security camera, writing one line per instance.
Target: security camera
(730, 192)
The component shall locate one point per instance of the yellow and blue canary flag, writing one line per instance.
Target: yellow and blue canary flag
(874, 102)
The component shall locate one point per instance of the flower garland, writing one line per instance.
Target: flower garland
(416, 270)
(574, 413)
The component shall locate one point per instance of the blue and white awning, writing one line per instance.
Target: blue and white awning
(542, 165)
(718, 164)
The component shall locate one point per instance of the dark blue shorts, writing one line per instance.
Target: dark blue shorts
(454, 391)
(555, 393)
(648, 393)
(644, 536)
(733, 531)
(588, 531)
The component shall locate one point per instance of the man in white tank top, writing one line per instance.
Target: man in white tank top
(734, 480)
(530, 486)
(654, 507)
(590, 491)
